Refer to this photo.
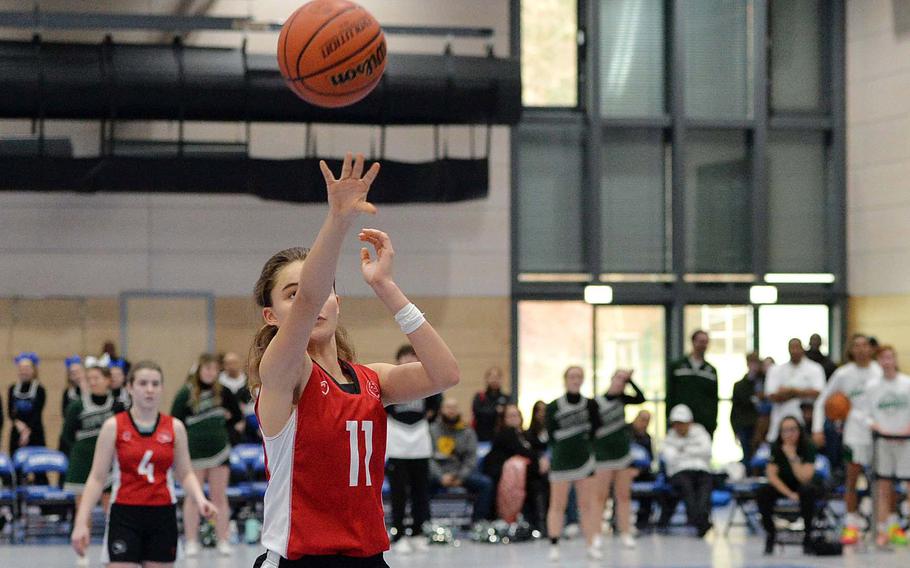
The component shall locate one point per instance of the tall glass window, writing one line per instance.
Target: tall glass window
(778, 324)
(543, 356)
(632, 82)
(797, 204)
(796, 56)
(718, 77)
(549, 53)
(718, 219)
(549, 198)
(632, 337)
(633, 197)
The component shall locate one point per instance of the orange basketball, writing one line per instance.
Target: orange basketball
(331, 52)
(837, 406)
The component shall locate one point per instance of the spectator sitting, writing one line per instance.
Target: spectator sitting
(641, 437)
(791, 474)
(536, 435)
(488, 405)
(509, 442)
(687, 454)
(455, 459)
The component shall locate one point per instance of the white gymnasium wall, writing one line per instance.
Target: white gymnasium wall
(878, 147)
(100, 245)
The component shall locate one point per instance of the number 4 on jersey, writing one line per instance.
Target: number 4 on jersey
(147, 468)
(367, 427)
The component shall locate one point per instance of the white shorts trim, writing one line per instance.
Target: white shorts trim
(577, 474)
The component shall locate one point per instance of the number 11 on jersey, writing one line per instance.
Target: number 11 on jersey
(367, 427)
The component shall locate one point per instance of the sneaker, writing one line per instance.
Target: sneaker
(896, 535)
(628, 541)
(849, 536)
(82, 561)
(598, 542)
(419, 543)
(192, 548)
(553, 555)
(571, 531)
(882, 542)
(594, 554)
(402, 546)
(224, 548)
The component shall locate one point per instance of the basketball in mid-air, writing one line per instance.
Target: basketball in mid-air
(331, 53)
(837, 406)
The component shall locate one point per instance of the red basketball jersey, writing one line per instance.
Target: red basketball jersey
(142, 470)
(326, 470)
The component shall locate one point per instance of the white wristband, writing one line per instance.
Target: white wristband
(409, 318)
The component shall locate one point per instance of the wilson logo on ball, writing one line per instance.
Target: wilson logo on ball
(366, 67)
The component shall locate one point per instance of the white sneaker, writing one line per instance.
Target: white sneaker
(553, 555)
(628, 540)
(571, 531)
(191, 548)
(402, 546)
(225, 548)
(598, 542)
(594, 554)
(82, 561)
(419, 543)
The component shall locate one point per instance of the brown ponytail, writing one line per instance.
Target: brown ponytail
(262, 293)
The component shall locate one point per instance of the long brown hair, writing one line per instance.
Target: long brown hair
(537, 424)
(195, 380)
(501, 418)
(262, 293)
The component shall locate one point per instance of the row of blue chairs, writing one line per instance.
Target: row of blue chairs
(37, 462)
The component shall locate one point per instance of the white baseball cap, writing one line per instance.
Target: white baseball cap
(681, 413)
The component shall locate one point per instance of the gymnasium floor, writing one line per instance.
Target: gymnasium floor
(737, 551)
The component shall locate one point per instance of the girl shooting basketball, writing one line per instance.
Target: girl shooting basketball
(322, 416)
(143, 445)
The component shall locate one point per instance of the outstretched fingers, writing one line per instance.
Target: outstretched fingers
(346, 166)
(358, 166)
(371, 174)
(326, 172)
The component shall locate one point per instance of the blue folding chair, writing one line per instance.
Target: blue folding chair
(22, 454)
(245, 460)
(43, 495)
(8, 489)
(760, 459)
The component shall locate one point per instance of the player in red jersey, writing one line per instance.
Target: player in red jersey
(142, 445)
(322, 416)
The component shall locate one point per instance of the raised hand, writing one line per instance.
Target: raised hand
(348, 193)
(376, 270)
